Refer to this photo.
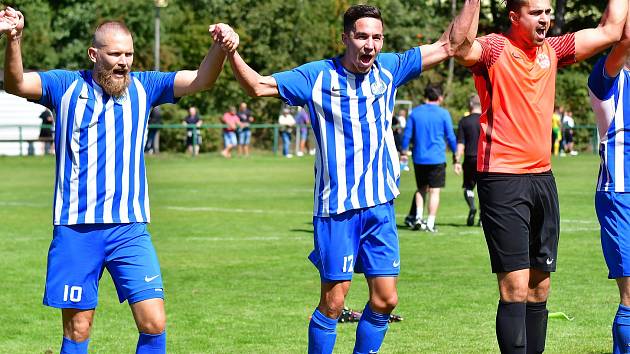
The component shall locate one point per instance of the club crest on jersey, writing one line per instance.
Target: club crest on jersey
(120, 99)
(543, 61)
(378, 87)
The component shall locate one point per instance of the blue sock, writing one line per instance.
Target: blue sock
(621, 330)
(322, 333)
(151, 343)
(71, 347)
(371, 331)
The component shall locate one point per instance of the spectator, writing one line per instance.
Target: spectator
(556, 136)
(193, 138)
(398, 127)
(287, 122)
(46, 131)
(232, 122)
(567, 132)
(429, 126)
(244, 131)
(303, 122)
(153, 136)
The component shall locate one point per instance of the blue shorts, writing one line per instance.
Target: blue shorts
(362, 241)
(613, 212)
(244, 137)
(78, 255)
(229, 139)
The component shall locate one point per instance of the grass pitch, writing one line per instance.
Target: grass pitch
(233, 235)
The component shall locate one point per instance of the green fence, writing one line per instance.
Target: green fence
(173, 136)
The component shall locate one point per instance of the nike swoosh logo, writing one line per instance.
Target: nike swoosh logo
(396, 264)
(83, 97)
(336, 89)
(147, 279)
(549, 261)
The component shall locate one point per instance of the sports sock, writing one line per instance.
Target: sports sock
(430, 221)
(510, 327)
(469, 194)
(536, 325)
(151, 343)
(69, 346)
(322, 333)
(621, 330)
(370, 331)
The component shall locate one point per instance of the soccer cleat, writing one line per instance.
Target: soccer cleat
(394, 318)
(430, 229)
(420, 225)
(410, 221)
(471, 217)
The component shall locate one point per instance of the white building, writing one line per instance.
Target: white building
(19, 119)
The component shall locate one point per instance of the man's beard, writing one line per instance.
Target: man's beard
(114, 88)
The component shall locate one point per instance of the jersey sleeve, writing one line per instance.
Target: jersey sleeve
(159, 86)
(491, 47)
(599, 83)
(564, 46)
(54, 84)
(404, 66)
(296, 86)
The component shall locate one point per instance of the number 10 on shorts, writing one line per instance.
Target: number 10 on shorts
(74, 292)
(348, 264)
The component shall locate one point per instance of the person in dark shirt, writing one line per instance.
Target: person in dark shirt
(46, 131)
(193, 137)
(153, 137)
(467, 139)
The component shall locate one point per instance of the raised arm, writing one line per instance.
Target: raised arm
(252, 82)
(591, 41)
(188, 82)
(620, 52)
(458, 38)
(16, 82)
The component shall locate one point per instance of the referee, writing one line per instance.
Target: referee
(467, 139)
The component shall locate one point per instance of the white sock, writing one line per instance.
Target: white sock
(430, 221)
(419, 213)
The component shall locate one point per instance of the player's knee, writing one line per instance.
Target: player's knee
(78, 329)
(332, 307)
(155, 325)
(384, 304)
(512, 293)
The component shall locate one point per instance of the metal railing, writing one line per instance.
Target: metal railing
(585, 137)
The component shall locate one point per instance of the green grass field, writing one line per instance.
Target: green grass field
(233, 236)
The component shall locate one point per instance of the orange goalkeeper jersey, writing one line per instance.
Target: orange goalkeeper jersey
(517, 91)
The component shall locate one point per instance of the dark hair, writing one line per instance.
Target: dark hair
(356, 12)
(432, 92)
(515, 5)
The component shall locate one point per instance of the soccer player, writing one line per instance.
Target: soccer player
(101, 203)
(430, 127)
(515, 74)
(609, 86)
(350, 99)
(467, 139)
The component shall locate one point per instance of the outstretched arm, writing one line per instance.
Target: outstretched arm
(591, 41)
(15, 80)
(458, 37)
(620, 53)
(252, 82)
(188, 82)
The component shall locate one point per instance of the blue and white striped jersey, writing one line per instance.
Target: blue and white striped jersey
(610, 98)
(99, 145)
(351, 114)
